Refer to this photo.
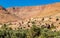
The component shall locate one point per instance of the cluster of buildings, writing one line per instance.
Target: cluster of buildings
(46, 22)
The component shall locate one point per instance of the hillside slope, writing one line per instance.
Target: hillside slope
(35, 11)
(5, 16)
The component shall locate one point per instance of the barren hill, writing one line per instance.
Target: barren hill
(27, 12)
(5, 16)
(35, 11)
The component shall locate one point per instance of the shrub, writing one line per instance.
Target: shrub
(34, 32)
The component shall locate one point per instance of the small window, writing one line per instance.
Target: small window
(57, 19)
(24, 27)
(48, 26)
(59, 23)
(28, 25)
(42, 19)
(50, 18)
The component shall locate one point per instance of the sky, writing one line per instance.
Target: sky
(13, 3)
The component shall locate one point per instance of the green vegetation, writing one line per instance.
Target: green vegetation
(34, 32)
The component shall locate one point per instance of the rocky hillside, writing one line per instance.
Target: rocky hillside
(47, 15)
(5, 16)
(35, 11)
